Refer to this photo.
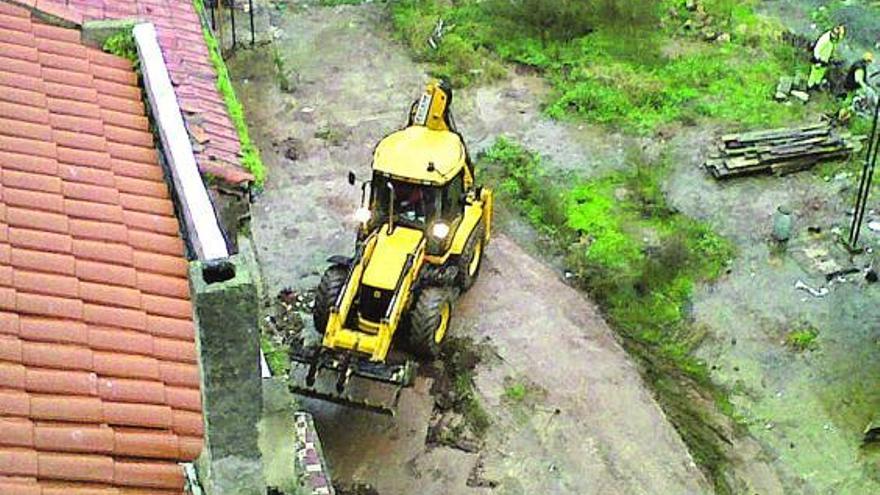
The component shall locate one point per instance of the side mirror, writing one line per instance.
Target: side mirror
(352, 178)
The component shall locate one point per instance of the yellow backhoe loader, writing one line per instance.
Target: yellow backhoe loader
(423, 228)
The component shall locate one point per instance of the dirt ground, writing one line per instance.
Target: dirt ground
(588, 425)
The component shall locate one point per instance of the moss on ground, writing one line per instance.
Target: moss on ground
(250, 158)
(640, 260)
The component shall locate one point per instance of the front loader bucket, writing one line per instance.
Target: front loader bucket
(350, 382)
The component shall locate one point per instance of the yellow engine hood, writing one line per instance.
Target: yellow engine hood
(389, 257)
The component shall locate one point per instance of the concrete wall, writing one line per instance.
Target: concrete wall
(226, 307)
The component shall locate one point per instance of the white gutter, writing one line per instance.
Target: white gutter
(198, 212)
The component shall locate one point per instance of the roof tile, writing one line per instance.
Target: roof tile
(22, 96)
(139, 415)
(126, 168)
(179, 374)
(61, 382)
(50, 284)
(41, 241)
(146, 204)
(105, 251)
(115, 317)
(123, 341)
(26, 130)
(78, 467)
(67, 91)
(93, 159)
(34, 182)
(135, 122)
(106, 273)
(56, 33)
(16, 432)
(44, 261)
(66, 77)
(91, 192)
(10, 349)
(24, 113)
(36, 219)
(14, 403)
(54, 330)
(61, 47)
(133, 153)
(148, 444)
(94, 211)
(26, 146)
(155, 475)
(134, 391)
(77, 124)
(66, 408)
(188, 399)
(190, 447)
(91, 439)
(121, 104)
(158, 243)
(19, 65)
(52, 355)
(162, 285)
(42, 305)
(34, 200)
(159, 224)
(167, 306)
(9, 323)
(110, 295)
(174, 350)
(101, 231)
(28, 163)
(79, 141)
(18, 462)
(126, 366)
(12, 375)
(188, 423)
(71, 107)
(76, 173)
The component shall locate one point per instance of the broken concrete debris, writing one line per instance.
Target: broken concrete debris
(820, 292)
(779, 151)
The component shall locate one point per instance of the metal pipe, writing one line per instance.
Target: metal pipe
(232, 21)
(251, 10)
(865, 180)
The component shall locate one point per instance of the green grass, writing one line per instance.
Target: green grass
(122, 44)
(515, 392)
(622, 78)
(277, 356)
(640, 260)
(802, 339)
(250, 160)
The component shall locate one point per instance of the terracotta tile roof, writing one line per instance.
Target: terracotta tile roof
(99, 387)
(216, 143)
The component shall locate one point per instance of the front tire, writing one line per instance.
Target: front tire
(429, 322)
(471, 259)
(331, 285)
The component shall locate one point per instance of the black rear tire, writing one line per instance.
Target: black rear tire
(429, 315)
(331, 285)
(471, 259)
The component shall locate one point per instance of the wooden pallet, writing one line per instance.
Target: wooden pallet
(778, 151)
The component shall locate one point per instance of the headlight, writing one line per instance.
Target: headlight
(363, 215)
(440, 230)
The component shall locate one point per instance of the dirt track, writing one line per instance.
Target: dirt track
(352, 86)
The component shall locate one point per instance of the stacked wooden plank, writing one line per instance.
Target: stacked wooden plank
(778, 151)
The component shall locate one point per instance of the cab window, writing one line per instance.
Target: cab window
(453, 197)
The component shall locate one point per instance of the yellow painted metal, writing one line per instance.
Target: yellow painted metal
(445, 312)
(385, 258)
(408, 154)
(392, 249)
